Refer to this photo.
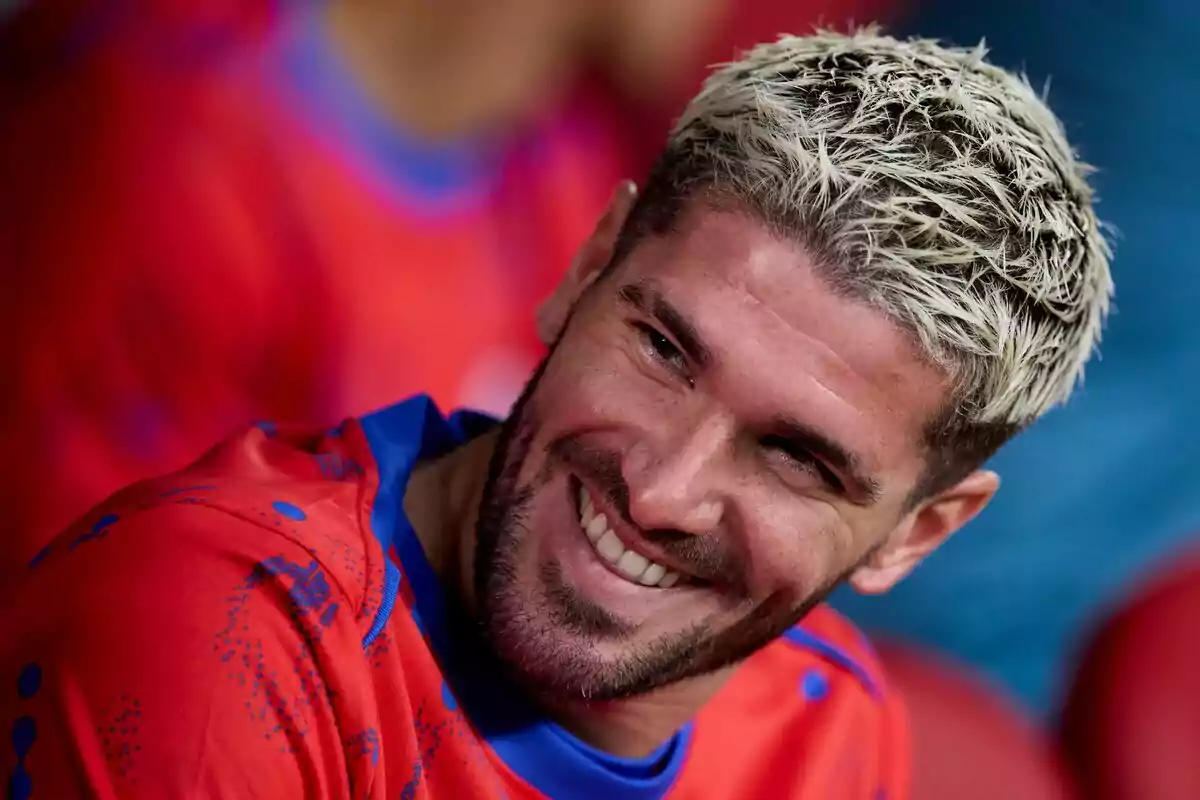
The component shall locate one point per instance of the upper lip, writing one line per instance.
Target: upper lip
(627, 534)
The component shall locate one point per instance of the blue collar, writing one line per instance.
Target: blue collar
(312, 76)
(544, 754)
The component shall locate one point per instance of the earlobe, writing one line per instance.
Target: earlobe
(923, 530)
(587, 265)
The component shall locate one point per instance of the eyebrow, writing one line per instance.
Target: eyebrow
(865, 490)
(844, 462)
(649, 300)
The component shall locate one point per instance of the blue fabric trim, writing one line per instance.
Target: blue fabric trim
(545, 755)
(391, 587)
(330, 99)
(831, 652)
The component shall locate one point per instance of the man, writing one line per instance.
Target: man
(859, 266)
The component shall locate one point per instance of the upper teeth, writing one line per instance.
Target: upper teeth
(633, 566)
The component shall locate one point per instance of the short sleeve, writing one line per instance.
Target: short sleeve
(182, 651)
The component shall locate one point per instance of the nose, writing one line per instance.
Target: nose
(678, 487)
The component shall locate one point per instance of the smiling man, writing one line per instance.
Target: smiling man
(859, 266)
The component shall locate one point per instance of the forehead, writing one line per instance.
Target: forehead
(784, 343)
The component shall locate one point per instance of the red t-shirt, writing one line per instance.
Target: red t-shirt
(264, 624)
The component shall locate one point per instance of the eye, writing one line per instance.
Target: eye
(800, 459)
(661, 348)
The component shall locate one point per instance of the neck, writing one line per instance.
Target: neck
(636, 726)
(453, 70)
(442, 502)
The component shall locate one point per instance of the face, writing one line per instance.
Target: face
(715, 441)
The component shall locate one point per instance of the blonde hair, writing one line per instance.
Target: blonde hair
(934, 185)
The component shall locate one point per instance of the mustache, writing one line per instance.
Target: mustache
(709, 557)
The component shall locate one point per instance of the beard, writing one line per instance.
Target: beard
(546, 633)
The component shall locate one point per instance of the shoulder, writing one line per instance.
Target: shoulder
(823, 657)
(288, 505)
(218, 621)
(812, 711)
(838, 645)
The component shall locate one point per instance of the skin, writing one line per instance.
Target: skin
(767, 454)
(423, 63)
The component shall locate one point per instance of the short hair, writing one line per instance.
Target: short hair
(927, 182)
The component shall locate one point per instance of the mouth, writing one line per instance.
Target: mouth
(608, 547)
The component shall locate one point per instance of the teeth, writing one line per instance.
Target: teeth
(585, 508)
(597, 528)
(633, 564)
(608, 545)
(653, 574)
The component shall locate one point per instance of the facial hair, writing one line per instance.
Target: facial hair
(545, 634)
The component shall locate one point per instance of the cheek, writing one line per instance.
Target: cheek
(592, 382)
(801, 549)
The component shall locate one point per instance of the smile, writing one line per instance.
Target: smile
(634, 567)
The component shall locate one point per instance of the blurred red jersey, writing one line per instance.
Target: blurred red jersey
(265, 624)
(205, 222)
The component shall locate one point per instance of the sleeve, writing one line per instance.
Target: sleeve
(183, 652)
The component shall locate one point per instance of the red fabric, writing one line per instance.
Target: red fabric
(968, 742)
(202, 635)
(1131, 724)
(182, 251)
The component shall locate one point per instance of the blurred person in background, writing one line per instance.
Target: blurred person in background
(1130, 725)
(1095, 495)
(780, 372)
(312, 208)
(218, 212)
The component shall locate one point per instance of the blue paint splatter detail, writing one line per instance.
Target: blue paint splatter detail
(270, 429)
(364, 745)
(309, 590)
(98, 531)
(814, 685)
(120, 737)
(436, 728)
(285, 703)
(448, 698)
(29, 681)
(24, 733)
(41, 555)
(292, 512)
(20, 785)
(331, 466)
(328, 614)
(410, 788)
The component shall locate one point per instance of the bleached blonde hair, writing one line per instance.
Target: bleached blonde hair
(930, 183)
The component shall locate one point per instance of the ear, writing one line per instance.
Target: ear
(591, 259)
(923, 530)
